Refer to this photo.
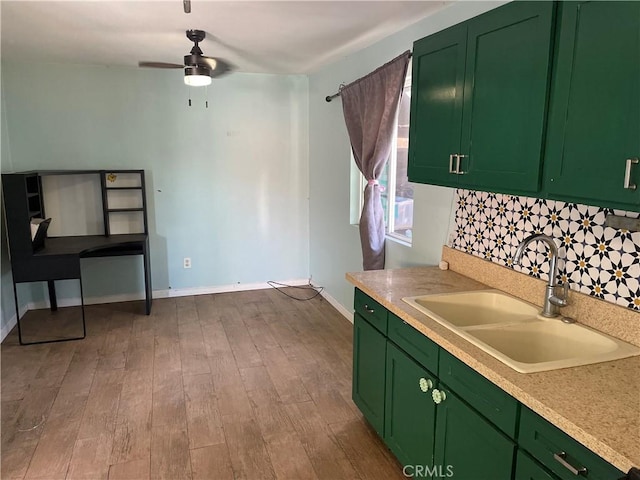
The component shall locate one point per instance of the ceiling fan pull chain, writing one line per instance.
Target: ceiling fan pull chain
(206, 100)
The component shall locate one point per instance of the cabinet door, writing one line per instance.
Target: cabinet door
(369, 359)
(410, 411)
(436, 105)
(529, 469)
(469, 445)
(595, 104)
(505, 97)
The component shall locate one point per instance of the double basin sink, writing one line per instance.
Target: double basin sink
(512, 331)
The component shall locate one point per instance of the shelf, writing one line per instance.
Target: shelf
(31, 195)
(123, 201)
(34, 213)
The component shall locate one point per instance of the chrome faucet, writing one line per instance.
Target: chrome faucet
(552, 302)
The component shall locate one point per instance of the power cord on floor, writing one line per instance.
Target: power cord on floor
(279, 287)
(29, 429)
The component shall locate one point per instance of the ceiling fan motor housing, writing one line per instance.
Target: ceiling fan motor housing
(194, 60)
(198, 69)
(196, 35)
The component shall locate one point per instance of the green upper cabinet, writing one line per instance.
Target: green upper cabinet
(594, 121)
(479, 101)
(437, 87)
(505, 97)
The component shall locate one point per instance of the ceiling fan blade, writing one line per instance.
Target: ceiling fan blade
(159, 65)
(217, 66)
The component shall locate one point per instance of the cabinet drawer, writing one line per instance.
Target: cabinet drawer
(546, 443)
(371, 311)
(423, 350)
(528, 469)
(487, 398)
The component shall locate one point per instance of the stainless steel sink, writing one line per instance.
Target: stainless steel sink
(511, 330)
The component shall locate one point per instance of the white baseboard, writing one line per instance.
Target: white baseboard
(75, 301)
(338, 306)
(12, 322)
(6, 328)
(236, 287)
(168, 293)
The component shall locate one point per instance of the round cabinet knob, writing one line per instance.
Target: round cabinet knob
(438, 396)
(425, 384)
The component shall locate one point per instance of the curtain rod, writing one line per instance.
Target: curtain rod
(328, 98)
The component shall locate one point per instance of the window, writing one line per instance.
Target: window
(397, 197)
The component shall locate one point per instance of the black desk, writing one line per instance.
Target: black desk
(69, 250)
(60, 257)
(60, 260)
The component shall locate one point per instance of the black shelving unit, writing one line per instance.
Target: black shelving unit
(33, 194)
(109, 181)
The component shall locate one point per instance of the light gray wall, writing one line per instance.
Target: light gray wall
(254, 188)
(334, 243)
(7, 305)
(227, 186)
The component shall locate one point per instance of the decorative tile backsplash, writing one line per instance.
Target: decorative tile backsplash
(596, 260)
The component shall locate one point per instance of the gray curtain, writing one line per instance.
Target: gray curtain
(370, 106)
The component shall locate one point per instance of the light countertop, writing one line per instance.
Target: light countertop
(598, 405)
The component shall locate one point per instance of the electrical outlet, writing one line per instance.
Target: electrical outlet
(186, 262)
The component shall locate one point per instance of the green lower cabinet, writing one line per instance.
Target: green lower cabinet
(436, 433)
(369, 358)
(410, 411)
(468, 446)
(560, 453)
(528, 469)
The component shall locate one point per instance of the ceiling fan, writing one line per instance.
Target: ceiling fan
(198, 69)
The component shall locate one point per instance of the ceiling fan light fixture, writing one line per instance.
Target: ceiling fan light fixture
(197, 76)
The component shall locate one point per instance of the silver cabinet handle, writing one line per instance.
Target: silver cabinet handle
(561, 458)
(627, 174)
(458, 171)
(369, 310)
(451, 157)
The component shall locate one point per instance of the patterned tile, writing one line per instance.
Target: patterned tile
(594, 259)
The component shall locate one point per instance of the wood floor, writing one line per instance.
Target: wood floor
(246, 385)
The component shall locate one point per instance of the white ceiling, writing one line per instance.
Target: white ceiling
(255, 36)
